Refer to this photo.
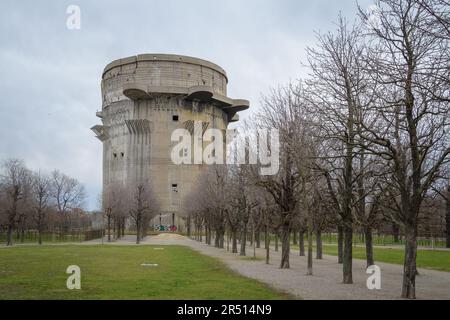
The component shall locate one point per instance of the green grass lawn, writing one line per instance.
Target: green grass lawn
(430, 259)
(115, 272)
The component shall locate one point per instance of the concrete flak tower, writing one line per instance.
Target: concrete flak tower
(144, 99)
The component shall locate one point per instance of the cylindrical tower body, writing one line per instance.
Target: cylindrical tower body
(144, 99)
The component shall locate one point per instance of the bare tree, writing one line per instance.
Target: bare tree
(214, 188)
(336, 90)
(407, 125)
(41, 196)
(280, 112)
(194, 207)
(68, 194)
(142, 206)
(242, 202)
(113, 205)
(15, 184)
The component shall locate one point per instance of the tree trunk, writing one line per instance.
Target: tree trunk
(285, 246)
(39, 233)
(109, 228)
(138, 232)
(9, 235)
(409, 267)
(254, 243)
(258, 238)
(217, 239)
(22, 234)
(294, 237)
(243, 240)
(301, 242)
(234, 240)
(276, 241)
(221, 238)
(347, 258)
(318, 245)
(447, 218)
(267, 244)
(340, 244)
(114, 229)
(396, 232)
(310, 253)
(369, 246)
(188, 222)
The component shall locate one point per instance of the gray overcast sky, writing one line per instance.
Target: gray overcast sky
(50, 76)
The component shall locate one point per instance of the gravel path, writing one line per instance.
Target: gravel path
(326, 283)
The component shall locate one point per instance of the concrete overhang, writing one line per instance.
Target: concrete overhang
(197, 93)
(135, 91)
(222, 100)
(238, 105)
(139, 92)
(205, 93)
(100, 132)
(201, 93)
(234, 118)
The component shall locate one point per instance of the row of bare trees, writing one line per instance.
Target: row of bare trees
(33, 200)
(41, 202)
(121, 204)
(364, 142)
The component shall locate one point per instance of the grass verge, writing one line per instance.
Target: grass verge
(115, 272)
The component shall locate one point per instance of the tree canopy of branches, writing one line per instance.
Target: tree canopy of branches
(364, 140)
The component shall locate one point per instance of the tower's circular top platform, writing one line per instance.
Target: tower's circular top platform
(164, 57)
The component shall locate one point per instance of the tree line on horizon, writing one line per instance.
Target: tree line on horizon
(34, 200)
(52, 203)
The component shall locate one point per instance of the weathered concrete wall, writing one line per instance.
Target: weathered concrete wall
(141, 96)
(168, 71)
